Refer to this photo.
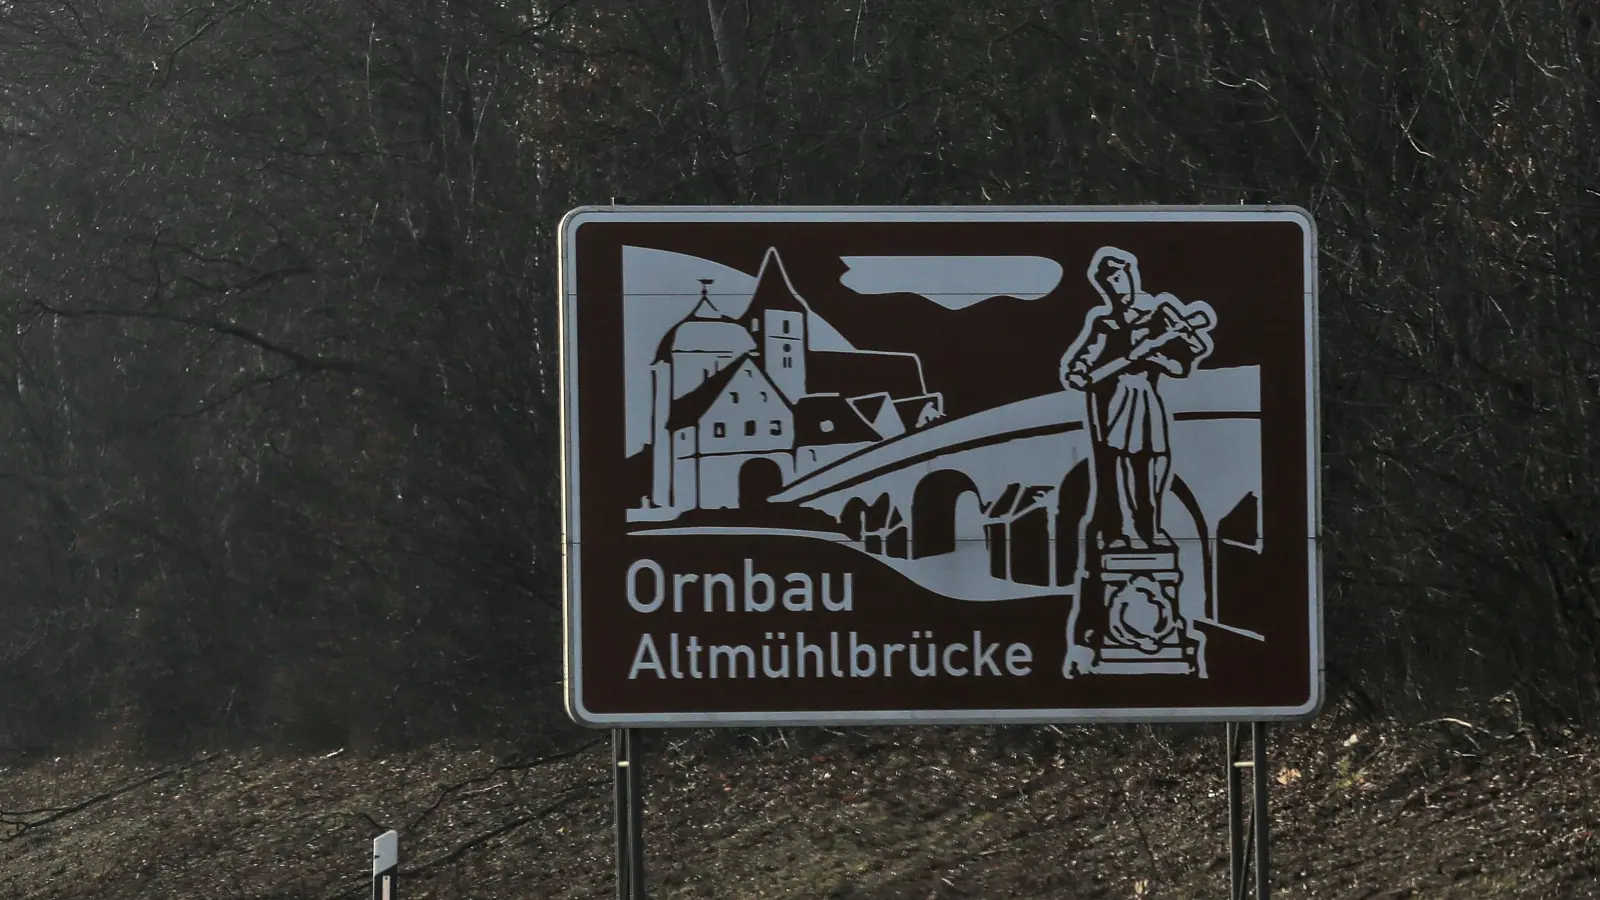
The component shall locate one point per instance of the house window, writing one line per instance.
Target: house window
(827, 426)
(777, 426)
(785, 331)
(755, 325)
(763, 396)
(787, 347)
(749, 428)
(734, 395)
(788, 362)
(719, 430)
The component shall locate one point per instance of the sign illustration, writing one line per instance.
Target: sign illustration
(939, 465)
(1131, 562)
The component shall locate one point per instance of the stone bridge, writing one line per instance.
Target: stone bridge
(988, 505)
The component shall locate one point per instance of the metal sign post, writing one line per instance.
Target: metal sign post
(385, 865)
(1243, 855)
(629, 795)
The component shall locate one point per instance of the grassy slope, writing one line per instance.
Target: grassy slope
(1436, 811)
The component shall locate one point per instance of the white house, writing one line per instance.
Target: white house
(716, 430)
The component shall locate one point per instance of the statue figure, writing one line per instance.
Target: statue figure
(1118, 359)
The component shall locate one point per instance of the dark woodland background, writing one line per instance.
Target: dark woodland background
(278, 428)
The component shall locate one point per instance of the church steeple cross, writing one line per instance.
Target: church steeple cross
(705, 309)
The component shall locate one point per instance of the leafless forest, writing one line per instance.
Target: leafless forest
(277, 368)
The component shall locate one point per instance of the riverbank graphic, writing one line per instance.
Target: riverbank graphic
(1130, 489)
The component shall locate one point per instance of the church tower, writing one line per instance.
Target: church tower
(776, 320)
(702, 345)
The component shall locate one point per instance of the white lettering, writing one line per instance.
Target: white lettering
(983, 656)
(753, 580)
(694, 657)
(857, 668)
(678, 582)
(726, 582)
(750, 590)
(888, 658)
(827, 600)
(647, 647)
(767, 668)
(633, 585)
(1018, 657)
(842, 655)
(801, 650)
(798, 598)
(931, 667)
(949, 666)
(733, 654)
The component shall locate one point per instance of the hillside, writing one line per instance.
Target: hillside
(1442, 810)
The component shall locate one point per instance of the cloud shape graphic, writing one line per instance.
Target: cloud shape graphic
(954, 282)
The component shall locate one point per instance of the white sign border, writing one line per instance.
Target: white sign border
(571, 543)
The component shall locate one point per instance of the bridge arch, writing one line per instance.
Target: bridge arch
(934, 506)
(759, 478)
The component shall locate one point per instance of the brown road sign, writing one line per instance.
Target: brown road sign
(940, 465)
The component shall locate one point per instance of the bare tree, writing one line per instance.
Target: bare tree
(277, 421)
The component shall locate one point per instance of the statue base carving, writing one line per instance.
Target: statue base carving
(1128, 619)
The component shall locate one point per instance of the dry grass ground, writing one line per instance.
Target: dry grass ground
(1444, 810)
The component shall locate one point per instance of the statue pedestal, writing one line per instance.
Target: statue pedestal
(1129, 621)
